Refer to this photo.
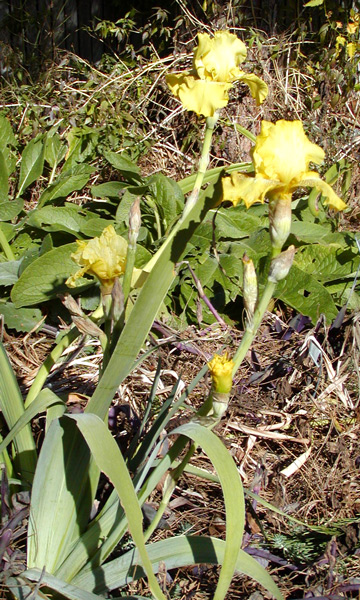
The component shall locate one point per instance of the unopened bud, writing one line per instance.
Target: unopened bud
(281, 265)
(221, 368)
(280, 220)
(250, 286)
(134, 222)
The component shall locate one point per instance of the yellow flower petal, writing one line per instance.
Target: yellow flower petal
(72, 279)
(239, 187)
(221, 368)
(104, 257)
(203, 97)
(282, 152)
(218, 58)
(331, 199)
(258, 88)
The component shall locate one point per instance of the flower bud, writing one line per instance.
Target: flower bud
(250, 286)
(280, 219)
(280, 266)
(221, 368)
(134, 222)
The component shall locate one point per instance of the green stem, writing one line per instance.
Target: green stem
(5, 246)
(192, 199)
(46, 367)
(203, 164)
(252, 327)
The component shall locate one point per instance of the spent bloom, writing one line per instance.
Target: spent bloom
(104, 257)
(281, 157)
(216, 62)
(221, 368)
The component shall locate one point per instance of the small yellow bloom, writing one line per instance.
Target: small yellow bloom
(215, 67)
(221, 368)
(281, 158)
(104, 257)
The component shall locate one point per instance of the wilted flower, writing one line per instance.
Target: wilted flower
(281, 158)
(221, 368)
(215, 67)
(104, 257)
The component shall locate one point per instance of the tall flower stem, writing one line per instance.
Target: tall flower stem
(253, 326)
(192, 199)
(203, 164)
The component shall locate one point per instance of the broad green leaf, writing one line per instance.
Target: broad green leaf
(7, 137)
(168, 196)
(142, 256)
(45, 277)
(9, 209)
(315, 233)
(55, 150)
(124, 164)
(305, 294)
(20, 319)
(233, 497)
(12, 408)
(236, 223)
(9, 272)
(82, 143)
(327, 263)
(176, 552)
(123, 209)
(68, 182)
(342, 294)
(94, 227)
(62, 495)
(57, 218)
(4, 179)
(109, 460)
(32, 163)
(110, 189)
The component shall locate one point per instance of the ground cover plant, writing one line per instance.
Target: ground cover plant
(119, 259)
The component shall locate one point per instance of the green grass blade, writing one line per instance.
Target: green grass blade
(233, 497)
(175, 552)
(12, 407)
(62, 495)
(109, 460)
(66, 590)
(45, 399)
(110, 524)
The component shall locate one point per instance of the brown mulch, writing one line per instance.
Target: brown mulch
(287, 405)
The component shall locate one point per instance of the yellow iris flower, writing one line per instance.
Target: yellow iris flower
(104, 257)
(281, 158)
(215, 67)
(221, 368)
